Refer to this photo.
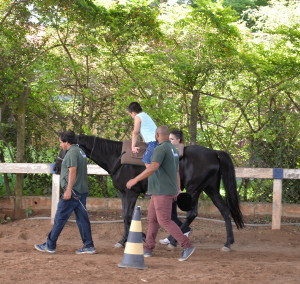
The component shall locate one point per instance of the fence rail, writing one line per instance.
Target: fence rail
(277, 174)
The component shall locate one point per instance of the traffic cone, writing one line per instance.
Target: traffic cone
(134, 251)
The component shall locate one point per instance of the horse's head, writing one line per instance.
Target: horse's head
(58, 161)
(105, 153)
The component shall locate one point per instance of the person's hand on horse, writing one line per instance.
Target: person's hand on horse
(135, 150)
(130, 183)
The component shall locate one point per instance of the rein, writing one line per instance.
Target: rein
(94, 142)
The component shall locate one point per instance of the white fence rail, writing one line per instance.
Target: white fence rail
(277, 174)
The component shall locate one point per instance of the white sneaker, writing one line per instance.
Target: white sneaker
(187, 233)
(164, 241)
(171, 247)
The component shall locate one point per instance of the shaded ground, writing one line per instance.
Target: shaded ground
(259, 255)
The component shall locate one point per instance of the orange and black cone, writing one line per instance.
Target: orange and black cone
(134, 251)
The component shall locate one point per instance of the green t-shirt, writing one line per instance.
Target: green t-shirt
(164, 180)
(75, 157)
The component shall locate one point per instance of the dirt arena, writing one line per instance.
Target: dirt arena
(259, 255)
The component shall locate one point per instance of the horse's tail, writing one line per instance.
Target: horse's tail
(229, 181)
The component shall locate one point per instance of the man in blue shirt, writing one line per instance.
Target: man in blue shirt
(163, 185)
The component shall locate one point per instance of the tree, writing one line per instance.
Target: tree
(202, 43)
(194, 65)
(65, 63)
(241, 5)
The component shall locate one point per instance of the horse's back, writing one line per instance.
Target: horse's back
(200, 155)
(198, 165)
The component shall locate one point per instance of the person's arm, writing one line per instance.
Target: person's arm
(152, 168)
(71, 182)
(135, 134)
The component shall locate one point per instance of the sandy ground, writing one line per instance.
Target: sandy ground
(259, 255)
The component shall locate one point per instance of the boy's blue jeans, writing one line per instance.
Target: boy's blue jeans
(63, 213)
(149, 151)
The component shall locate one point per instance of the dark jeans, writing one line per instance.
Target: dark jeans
(174, 217)
(63, 213)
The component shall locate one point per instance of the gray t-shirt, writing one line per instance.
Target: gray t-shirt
(75, 157)
(164, 180)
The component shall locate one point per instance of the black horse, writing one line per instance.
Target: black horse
(201, 169)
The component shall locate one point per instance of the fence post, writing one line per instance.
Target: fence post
(277, 198)
(55, 195)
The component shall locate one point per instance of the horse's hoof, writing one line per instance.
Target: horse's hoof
(118, 245)
(171, 247)
(226, 249)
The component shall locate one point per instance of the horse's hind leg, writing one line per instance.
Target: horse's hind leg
(190, 217)
(225, 212)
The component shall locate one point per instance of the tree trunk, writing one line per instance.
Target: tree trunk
(19, 213)
(103, 185)
(6, 180)
(2, 160)
(194, 116)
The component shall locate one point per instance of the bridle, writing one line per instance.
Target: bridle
(94, 143)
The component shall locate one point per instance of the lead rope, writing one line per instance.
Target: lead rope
(75, 196)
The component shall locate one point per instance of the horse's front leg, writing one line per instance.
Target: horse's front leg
(128, 204)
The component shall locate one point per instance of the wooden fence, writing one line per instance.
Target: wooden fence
(277, 174)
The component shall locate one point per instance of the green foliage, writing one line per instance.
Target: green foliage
(39, 184)
(256, 190)
(102, 187)
(229, 84)
(242, 5)
(28, 211)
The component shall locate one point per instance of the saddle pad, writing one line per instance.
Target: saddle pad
(180, 148)
(130, 158)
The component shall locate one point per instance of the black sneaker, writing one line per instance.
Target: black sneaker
(186, 253)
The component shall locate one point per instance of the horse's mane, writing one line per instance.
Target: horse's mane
(106, 145)
(110, 145)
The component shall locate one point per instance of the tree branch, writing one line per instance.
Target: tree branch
(10, 10)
